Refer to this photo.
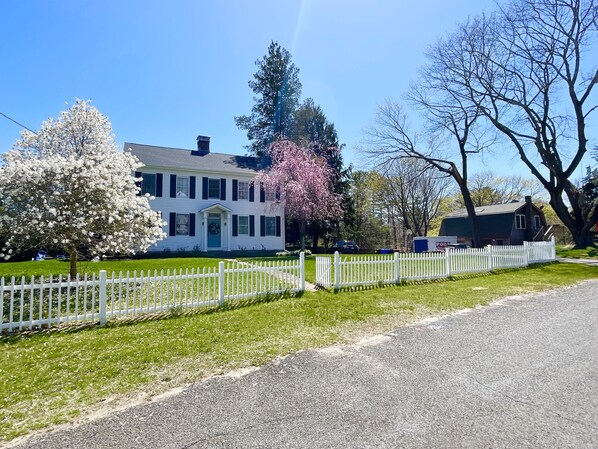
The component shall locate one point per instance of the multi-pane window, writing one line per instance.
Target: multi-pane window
(214, 188)
(148, 184)
(270, 225)
(243, 190)
(182, 187)
(270, 195)
(182, 224)
(243, 225)
(519, 221)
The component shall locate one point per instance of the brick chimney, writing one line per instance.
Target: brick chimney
(203, 144)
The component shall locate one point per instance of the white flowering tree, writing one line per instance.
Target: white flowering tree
(68, 188)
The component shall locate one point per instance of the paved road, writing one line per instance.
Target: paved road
(521, 373)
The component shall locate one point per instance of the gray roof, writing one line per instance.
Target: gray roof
(495, 209)
(182, 159)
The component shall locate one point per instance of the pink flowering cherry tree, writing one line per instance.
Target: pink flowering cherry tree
(302, 182)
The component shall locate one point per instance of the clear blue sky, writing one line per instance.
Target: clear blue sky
(166, 71)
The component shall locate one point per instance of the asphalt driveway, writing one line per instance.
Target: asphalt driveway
(520, 373)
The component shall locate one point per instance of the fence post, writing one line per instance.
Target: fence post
(397, 270)
(553, 247)
(221, 283)
(302, 271)
(447, 256)
(525, 253)
(337, 270)
(102, 297)
(490, 258)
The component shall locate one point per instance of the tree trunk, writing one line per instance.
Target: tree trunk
(315, 236)
(73, 270)
(302, 233)
(470, 207)
(572, 218)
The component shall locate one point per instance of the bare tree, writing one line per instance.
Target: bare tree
(527, 70)
(414, 189)
(452, 135)
(487, 188)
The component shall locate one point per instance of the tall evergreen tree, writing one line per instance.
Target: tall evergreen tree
(277, 90)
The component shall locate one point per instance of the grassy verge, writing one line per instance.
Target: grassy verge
(50, 378)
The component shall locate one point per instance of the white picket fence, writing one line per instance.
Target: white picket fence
(45, 302)
(339, 272)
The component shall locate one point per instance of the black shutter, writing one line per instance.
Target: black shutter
(235, 225)
(192, 187)
(251, 193)
(172, 224)
(262, 193)
(223, 189)
(204, 188)
(252, 226)
(172, 186)
(138, 174)
(263, 225)
(192, 224)
(235, 189)
(278, 226)
(159, 183)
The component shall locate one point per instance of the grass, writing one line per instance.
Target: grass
(55, 267)
(591, 252)
(48, 378)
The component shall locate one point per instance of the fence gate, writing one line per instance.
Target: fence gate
(323, 270)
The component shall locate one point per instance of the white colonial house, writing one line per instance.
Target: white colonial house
(208, 199)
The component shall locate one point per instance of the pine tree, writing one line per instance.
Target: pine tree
(277, 90)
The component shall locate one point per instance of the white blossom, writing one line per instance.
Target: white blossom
(69, 186)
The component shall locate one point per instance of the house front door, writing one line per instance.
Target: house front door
(214, 231)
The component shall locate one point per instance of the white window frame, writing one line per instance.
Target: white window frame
(243, 229)
(182, 186)
(270, 227)
(149, 183)
(243, 190)
(537, 221)
(182, 223)
(212, 181)
(520, 221)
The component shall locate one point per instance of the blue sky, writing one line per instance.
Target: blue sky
(166, 71)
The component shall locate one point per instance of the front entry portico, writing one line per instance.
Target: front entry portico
(216, 224)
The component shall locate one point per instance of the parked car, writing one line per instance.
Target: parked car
(457, 246)
(344, 246)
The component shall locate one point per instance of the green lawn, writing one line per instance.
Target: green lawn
(51, 377)
(56, 267)
(590, 252)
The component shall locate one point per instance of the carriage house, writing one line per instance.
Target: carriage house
(208, 199)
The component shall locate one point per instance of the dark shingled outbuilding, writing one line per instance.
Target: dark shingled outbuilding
(496, 223)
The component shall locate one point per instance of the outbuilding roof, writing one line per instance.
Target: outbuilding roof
(496, 209)
(184, 159)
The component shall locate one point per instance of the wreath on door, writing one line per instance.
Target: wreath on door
(214, 228)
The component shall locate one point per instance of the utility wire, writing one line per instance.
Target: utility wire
(14, 121)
